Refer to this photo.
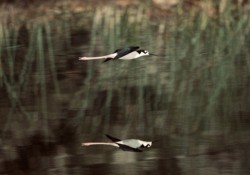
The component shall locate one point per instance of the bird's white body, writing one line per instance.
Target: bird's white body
(132, 55)
(134, 143)
(129, 144)
(128, 53)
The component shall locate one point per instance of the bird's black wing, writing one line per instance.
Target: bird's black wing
(128, 148)
(124, 51)
(107, 59)
(112, 138)
(117, 50)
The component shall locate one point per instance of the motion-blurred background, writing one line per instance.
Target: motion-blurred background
(195, 99)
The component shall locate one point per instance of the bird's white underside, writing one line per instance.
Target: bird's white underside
(130, 56)
(133, 143)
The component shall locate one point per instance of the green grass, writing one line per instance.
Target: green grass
(201, 66)
(201, 84)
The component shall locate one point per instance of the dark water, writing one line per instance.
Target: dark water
(51, 102)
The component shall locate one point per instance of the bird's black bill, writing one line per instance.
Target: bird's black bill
(155, 141)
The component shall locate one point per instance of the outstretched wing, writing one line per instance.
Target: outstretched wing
(107, 59)
(128, 148)
(112, 138)
(117, 50)
(124, 51)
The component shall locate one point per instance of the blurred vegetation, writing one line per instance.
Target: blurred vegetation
(202, 84)
(200, 87)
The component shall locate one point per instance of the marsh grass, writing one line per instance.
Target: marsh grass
(194, 88)
(20, 80)
(200, 79)
(208, 82)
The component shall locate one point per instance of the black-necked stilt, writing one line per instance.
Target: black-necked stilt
(125, 145)
(126, 53)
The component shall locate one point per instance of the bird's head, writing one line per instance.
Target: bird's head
(144, 53)
(145, 144)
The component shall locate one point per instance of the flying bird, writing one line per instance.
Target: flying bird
(126, 53)
(125, 145)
